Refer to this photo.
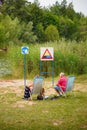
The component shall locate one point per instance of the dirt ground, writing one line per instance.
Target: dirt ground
(17, 87)
(16, 84)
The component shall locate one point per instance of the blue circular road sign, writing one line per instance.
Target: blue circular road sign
(25, 50)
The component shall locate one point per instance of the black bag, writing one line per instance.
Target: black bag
(27, 92)
(39, 97)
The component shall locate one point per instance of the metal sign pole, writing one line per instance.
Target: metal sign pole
(53, 73)
(24, 50)
(40, 67)
(24, 69)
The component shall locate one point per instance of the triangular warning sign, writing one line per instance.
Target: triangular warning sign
(47, 55)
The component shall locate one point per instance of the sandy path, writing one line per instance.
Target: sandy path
(13, 83)
(17, 87)
(47, 85)
(16, 84)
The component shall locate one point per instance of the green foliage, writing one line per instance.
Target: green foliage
(15, 8)
(14, 33)
(70, 12)
(49, 19)
(67, 28)
(40, 32)
(63, 7)
(83, 29)
(2, 34)
(62, 15)
(25, 22)
(16, 61)
(33, 61)
(69, 57)
(67, 62)
(51, 33)
(55, 9)
(12, 29)
(35, 14)
(26, 34)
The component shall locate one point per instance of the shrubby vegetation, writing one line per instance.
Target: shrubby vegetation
(23, 21)
(58, 26)
(68, 57)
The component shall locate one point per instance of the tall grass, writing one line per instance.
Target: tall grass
(70, 57)
(16, 61)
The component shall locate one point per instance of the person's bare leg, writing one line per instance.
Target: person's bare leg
(42, 92)
(58, 92)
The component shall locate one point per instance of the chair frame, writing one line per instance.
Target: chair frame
(70, 85)
(37, 85)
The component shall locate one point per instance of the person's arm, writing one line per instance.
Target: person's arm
(59, 82)
(31, 85)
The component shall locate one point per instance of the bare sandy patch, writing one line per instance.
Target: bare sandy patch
(17, 86)
(80, 87)
(14, 83)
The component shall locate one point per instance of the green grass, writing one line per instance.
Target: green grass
(61, 114)
(81, 78)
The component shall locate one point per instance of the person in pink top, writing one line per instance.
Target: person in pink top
(61, 84)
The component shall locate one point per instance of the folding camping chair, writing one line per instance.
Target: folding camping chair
(69, 86)
(37, 85)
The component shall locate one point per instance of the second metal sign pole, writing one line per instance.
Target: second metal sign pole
(25, 70)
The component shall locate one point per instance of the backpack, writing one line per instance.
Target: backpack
(27, 92)
(39, 97)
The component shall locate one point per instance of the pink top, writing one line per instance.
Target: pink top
(62, 82)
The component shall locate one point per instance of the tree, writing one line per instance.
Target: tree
(49, 18)
(55, 9)
(67, 27)
(63, 7)
(40, 32)
(12, 30)
(60, 15)
(15, 8)
(51, 33)
(70, 13)
(35, 14)
(26, 34)
(2, 34)
(83, 29)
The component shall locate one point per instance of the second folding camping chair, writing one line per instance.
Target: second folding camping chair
(69, 86)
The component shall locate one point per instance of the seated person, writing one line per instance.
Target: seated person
(28, 92)
(61, 84)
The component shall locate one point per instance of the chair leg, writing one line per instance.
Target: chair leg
(31, 96)
(74, 94)
(64, 94)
